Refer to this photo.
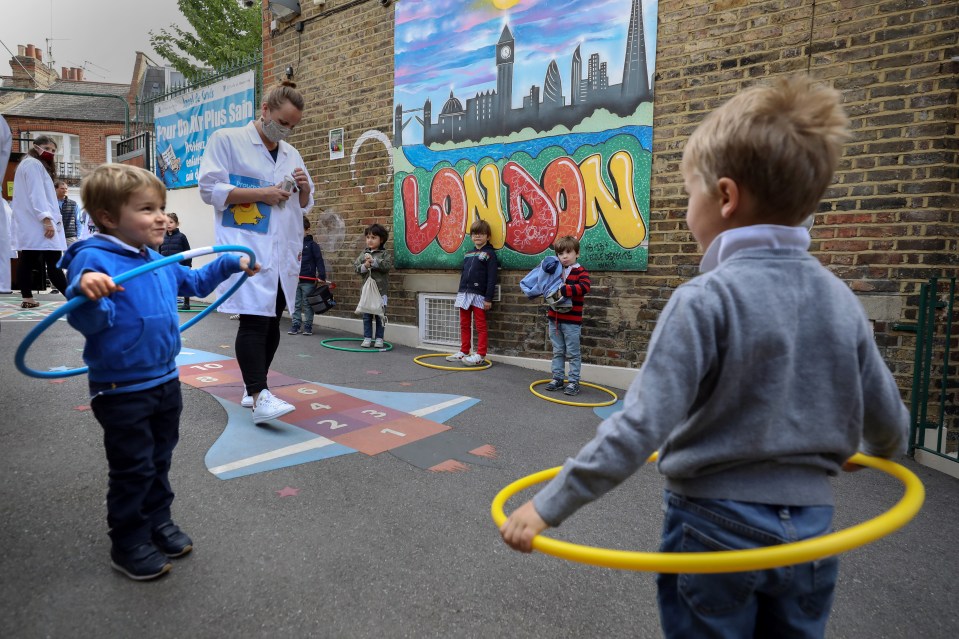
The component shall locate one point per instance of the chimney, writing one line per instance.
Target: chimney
(64, 73)
(73, 74)
(30, 50)
(38, 54)
(79, 74)
(21, 50)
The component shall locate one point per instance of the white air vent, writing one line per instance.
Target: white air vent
(439, 319)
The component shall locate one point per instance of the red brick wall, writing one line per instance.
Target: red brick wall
(93, 135)
(890, 220)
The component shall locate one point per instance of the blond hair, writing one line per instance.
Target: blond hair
(110, 186)
(781, 143)
(283, 93)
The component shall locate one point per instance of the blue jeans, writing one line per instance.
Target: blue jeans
(368, 326)
(565, 339)
(792, 601)
(302, 308)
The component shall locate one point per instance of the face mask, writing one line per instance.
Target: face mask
(273, 131)
(43, 153)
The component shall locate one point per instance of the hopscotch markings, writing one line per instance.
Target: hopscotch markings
(318, 442)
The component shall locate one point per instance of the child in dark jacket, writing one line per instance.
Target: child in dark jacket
(132, 340)
(375, 262)
(312, 271)
(175, 242)
(475, 294)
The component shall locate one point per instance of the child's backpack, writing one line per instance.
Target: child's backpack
(321, 299)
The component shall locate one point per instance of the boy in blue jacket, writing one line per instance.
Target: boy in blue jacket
(312, 271)
(132, 340)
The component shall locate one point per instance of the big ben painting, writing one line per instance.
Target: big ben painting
(535, 116)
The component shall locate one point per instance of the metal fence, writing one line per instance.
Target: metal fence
(934, 410)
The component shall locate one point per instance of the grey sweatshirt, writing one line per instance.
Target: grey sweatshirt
(762, 377)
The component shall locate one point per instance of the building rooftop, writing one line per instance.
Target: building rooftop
(53, 106)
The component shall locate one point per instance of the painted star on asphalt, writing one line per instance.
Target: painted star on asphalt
(287, 492)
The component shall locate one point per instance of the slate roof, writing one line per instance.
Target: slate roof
(52, 106)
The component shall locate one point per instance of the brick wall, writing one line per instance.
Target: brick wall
(890, 220)
(92, 135)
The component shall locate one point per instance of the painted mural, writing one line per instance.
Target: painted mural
(534, 115)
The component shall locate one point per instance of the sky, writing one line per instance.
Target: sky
(101, 36)
(440, 48)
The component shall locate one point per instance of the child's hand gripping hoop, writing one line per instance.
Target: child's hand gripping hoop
(31, 337)
(733, 560)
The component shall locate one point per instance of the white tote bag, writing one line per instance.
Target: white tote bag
(370, 299)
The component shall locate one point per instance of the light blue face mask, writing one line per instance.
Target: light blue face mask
(273, 131)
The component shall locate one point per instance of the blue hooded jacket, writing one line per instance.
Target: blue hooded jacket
(133, 335)
(545, 279)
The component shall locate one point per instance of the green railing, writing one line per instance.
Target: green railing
(935, 384)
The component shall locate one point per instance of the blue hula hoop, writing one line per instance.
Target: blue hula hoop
(32, 336)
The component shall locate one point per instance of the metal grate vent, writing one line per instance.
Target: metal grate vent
(439, 319)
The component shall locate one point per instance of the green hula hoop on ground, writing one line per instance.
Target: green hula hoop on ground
(386, 345)
(556, 400)
(459, 369)
(734, 560)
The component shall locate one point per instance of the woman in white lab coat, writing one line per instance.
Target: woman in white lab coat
(37, 225)
(260, 190)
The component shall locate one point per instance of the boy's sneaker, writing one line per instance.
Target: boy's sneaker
(235, 316)
(141, 562)
(571, 389)
(294, 330)
(378, 343)
(308, 330)
(247, 401)
(554, 385)
(367, 343)
(171, 541)
(473, 360)
(456, 357)
(269, 406)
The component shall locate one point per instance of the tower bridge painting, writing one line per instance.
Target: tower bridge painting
(545, 129)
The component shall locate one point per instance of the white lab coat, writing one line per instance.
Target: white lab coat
(239, 152)
(5, 252)
(35, 199)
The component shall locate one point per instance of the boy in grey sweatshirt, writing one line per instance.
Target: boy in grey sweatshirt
(761, 378)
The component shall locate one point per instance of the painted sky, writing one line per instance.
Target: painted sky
(450, 44)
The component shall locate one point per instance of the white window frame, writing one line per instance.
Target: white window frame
(68, 145)
(111, 142)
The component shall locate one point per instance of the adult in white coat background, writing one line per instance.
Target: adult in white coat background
(37, 225)
(260, 190)
(6, 143)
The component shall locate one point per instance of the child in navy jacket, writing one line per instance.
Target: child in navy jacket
(132, 341)
(475, 294)
(174, 241)
(312, 271)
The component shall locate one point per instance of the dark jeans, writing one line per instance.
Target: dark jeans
(368, 321)
(256, 342)
(140, 431)
(792, 601)
(29, 260)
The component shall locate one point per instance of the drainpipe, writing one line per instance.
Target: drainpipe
(126, 105)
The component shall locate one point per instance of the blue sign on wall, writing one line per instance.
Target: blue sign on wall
(185, 122)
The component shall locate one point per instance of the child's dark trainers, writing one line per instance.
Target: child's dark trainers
(571, 389)
(294, 330)
(554, 385)
(141, 562)
(307, 330)
(171, 541)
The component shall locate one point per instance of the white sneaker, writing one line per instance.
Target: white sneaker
(455, 357)
(235, 317)
(378, 343)
(247, 401)
(473, 360)
(269, 406)
(367, 343)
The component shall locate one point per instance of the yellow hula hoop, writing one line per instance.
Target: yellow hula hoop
(569, 403)
(418, 359)
(734, 560)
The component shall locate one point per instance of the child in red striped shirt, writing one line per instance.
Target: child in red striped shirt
(565, 327)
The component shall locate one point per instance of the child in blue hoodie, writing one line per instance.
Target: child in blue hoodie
(132, 340)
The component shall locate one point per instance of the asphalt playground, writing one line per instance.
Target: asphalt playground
(393, 542)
